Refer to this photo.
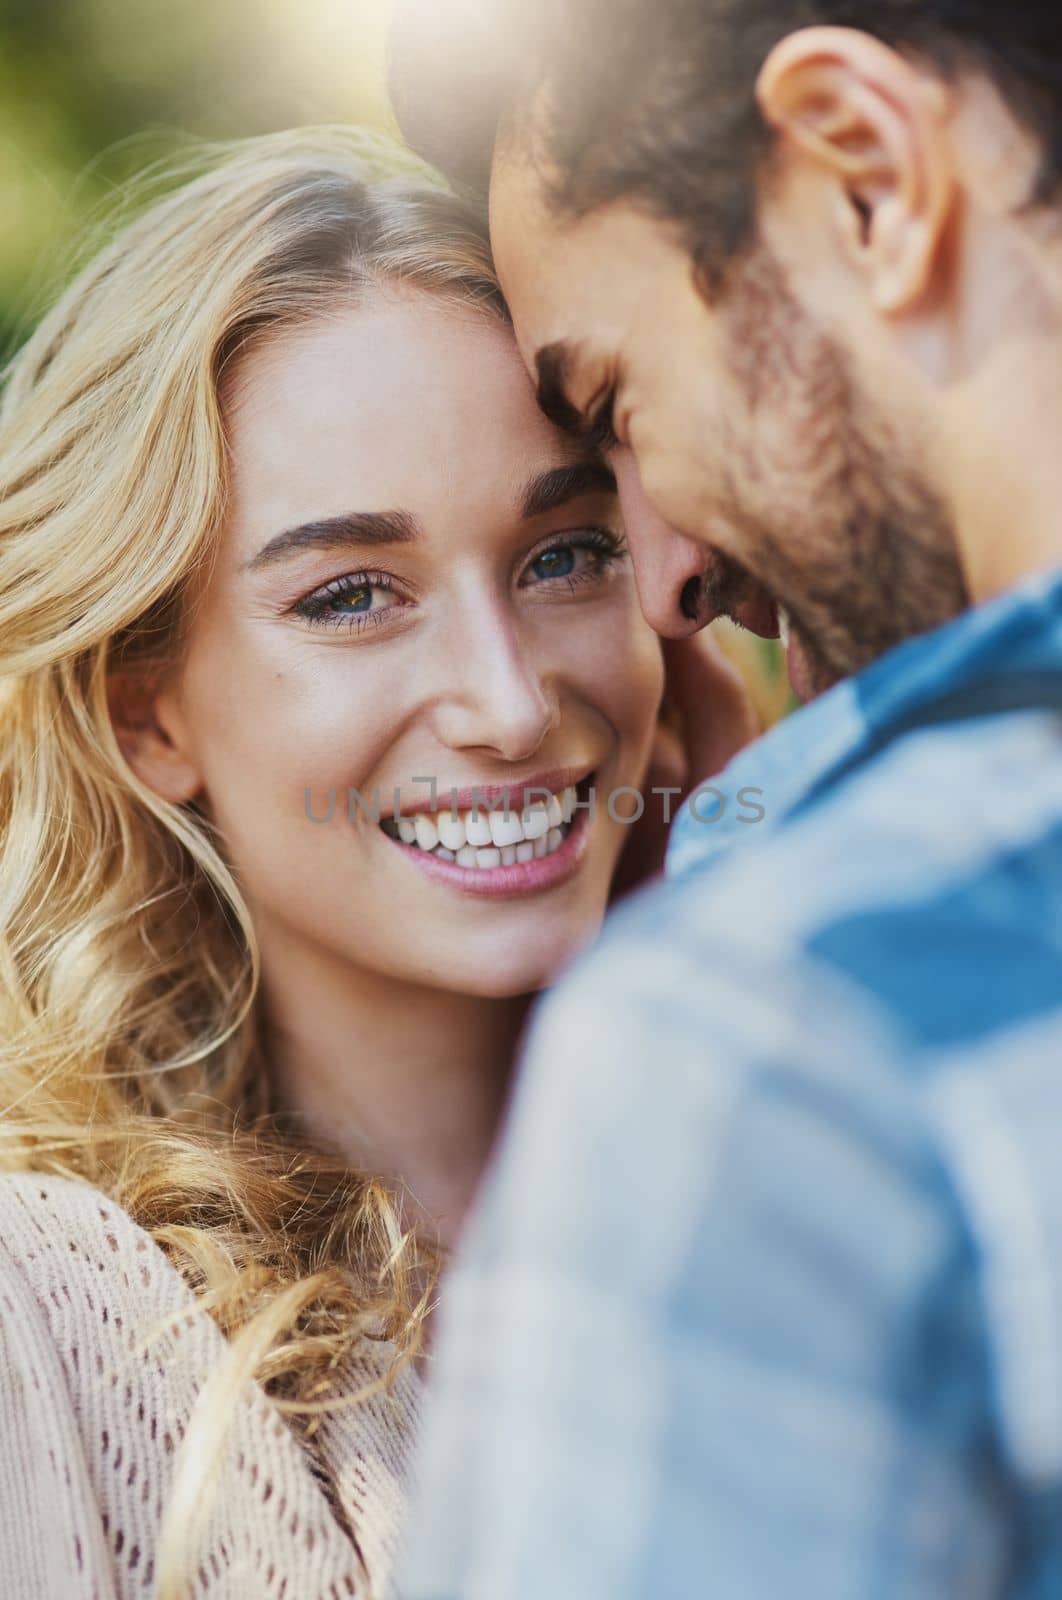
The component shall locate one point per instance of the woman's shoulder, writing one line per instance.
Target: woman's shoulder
(91, 1282)
(101, 1325)
(104, 1351)
(61, 1233)
(37, 1201)
(43, 1463)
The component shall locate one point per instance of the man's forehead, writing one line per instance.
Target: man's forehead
(577, 286)
(546, 257)
(527, 250)
(522, 222)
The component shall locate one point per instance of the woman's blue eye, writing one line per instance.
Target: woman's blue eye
(359, 599)
(585, 558)
(558, 563)
(351, 601)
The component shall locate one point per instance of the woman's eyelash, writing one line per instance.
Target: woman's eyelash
(315, 608)
(606, 547)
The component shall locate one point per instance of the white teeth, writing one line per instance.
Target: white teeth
(485, 858)
(426, 831)
(477, 829)
(784, 627)
(489, 840)
(536, 822)
(451, 834)
(505, 830)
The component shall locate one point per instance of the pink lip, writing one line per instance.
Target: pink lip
(530, 877)
(487, 795)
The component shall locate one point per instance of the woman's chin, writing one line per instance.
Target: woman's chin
(512, 984)
(525, 971)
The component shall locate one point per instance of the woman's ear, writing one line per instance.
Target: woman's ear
(871, 126)
(152, 735)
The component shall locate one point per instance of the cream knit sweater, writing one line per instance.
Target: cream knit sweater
(89, 1429)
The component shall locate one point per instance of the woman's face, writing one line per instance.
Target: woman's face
(418, 579)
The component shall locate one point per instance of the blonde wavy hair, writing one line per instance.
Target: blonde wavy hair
(132, 1053)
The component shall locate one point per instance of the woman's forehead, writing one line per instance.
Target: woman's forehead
(394, 366)
(404, 404)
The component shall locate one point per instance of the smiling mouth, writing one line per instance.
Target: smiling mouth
(487, 841)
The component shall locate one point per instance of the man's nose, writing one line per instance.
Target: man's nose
(669, 568)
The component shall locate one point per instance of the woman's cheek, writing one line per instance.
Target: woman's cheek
(338, 716)
(641, 681)
(279, 736)
(620, 672)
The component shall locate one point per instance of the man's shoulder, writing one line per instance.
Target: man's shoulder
(937, 809)
(928, 867)
(930, 879)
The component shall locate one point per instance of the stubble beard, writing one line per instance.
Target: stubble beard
(825, 490)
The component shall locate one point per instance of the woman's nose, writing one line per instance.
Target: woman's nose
(497, 697)
(669, 568)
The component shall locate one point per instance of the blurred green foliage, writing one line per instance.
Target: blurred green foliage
(93, 90)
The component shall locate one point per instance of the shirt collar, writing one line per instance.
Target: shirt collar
(1014, 633)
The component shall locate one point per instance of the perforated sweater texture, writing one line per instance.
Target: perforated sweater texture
(91, 1424)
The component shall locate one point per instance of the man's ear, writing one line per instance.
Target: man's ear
(873, 125)
(151, 735)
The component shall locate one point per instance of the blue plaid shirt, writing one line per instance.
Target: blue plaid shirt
(763, 1297)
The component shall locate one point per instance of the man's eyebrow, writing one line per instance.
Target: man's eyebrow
(553, 364)
(549, 490)
(350, 528)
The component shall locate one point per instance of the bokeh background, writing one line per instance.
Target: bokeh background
(93, 91)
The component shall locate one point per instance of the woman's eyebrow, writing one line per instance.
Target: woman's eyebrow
(548, 490)
(329, 533)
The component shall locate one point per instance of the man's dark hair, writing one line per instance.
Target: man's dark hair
(653, 100)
